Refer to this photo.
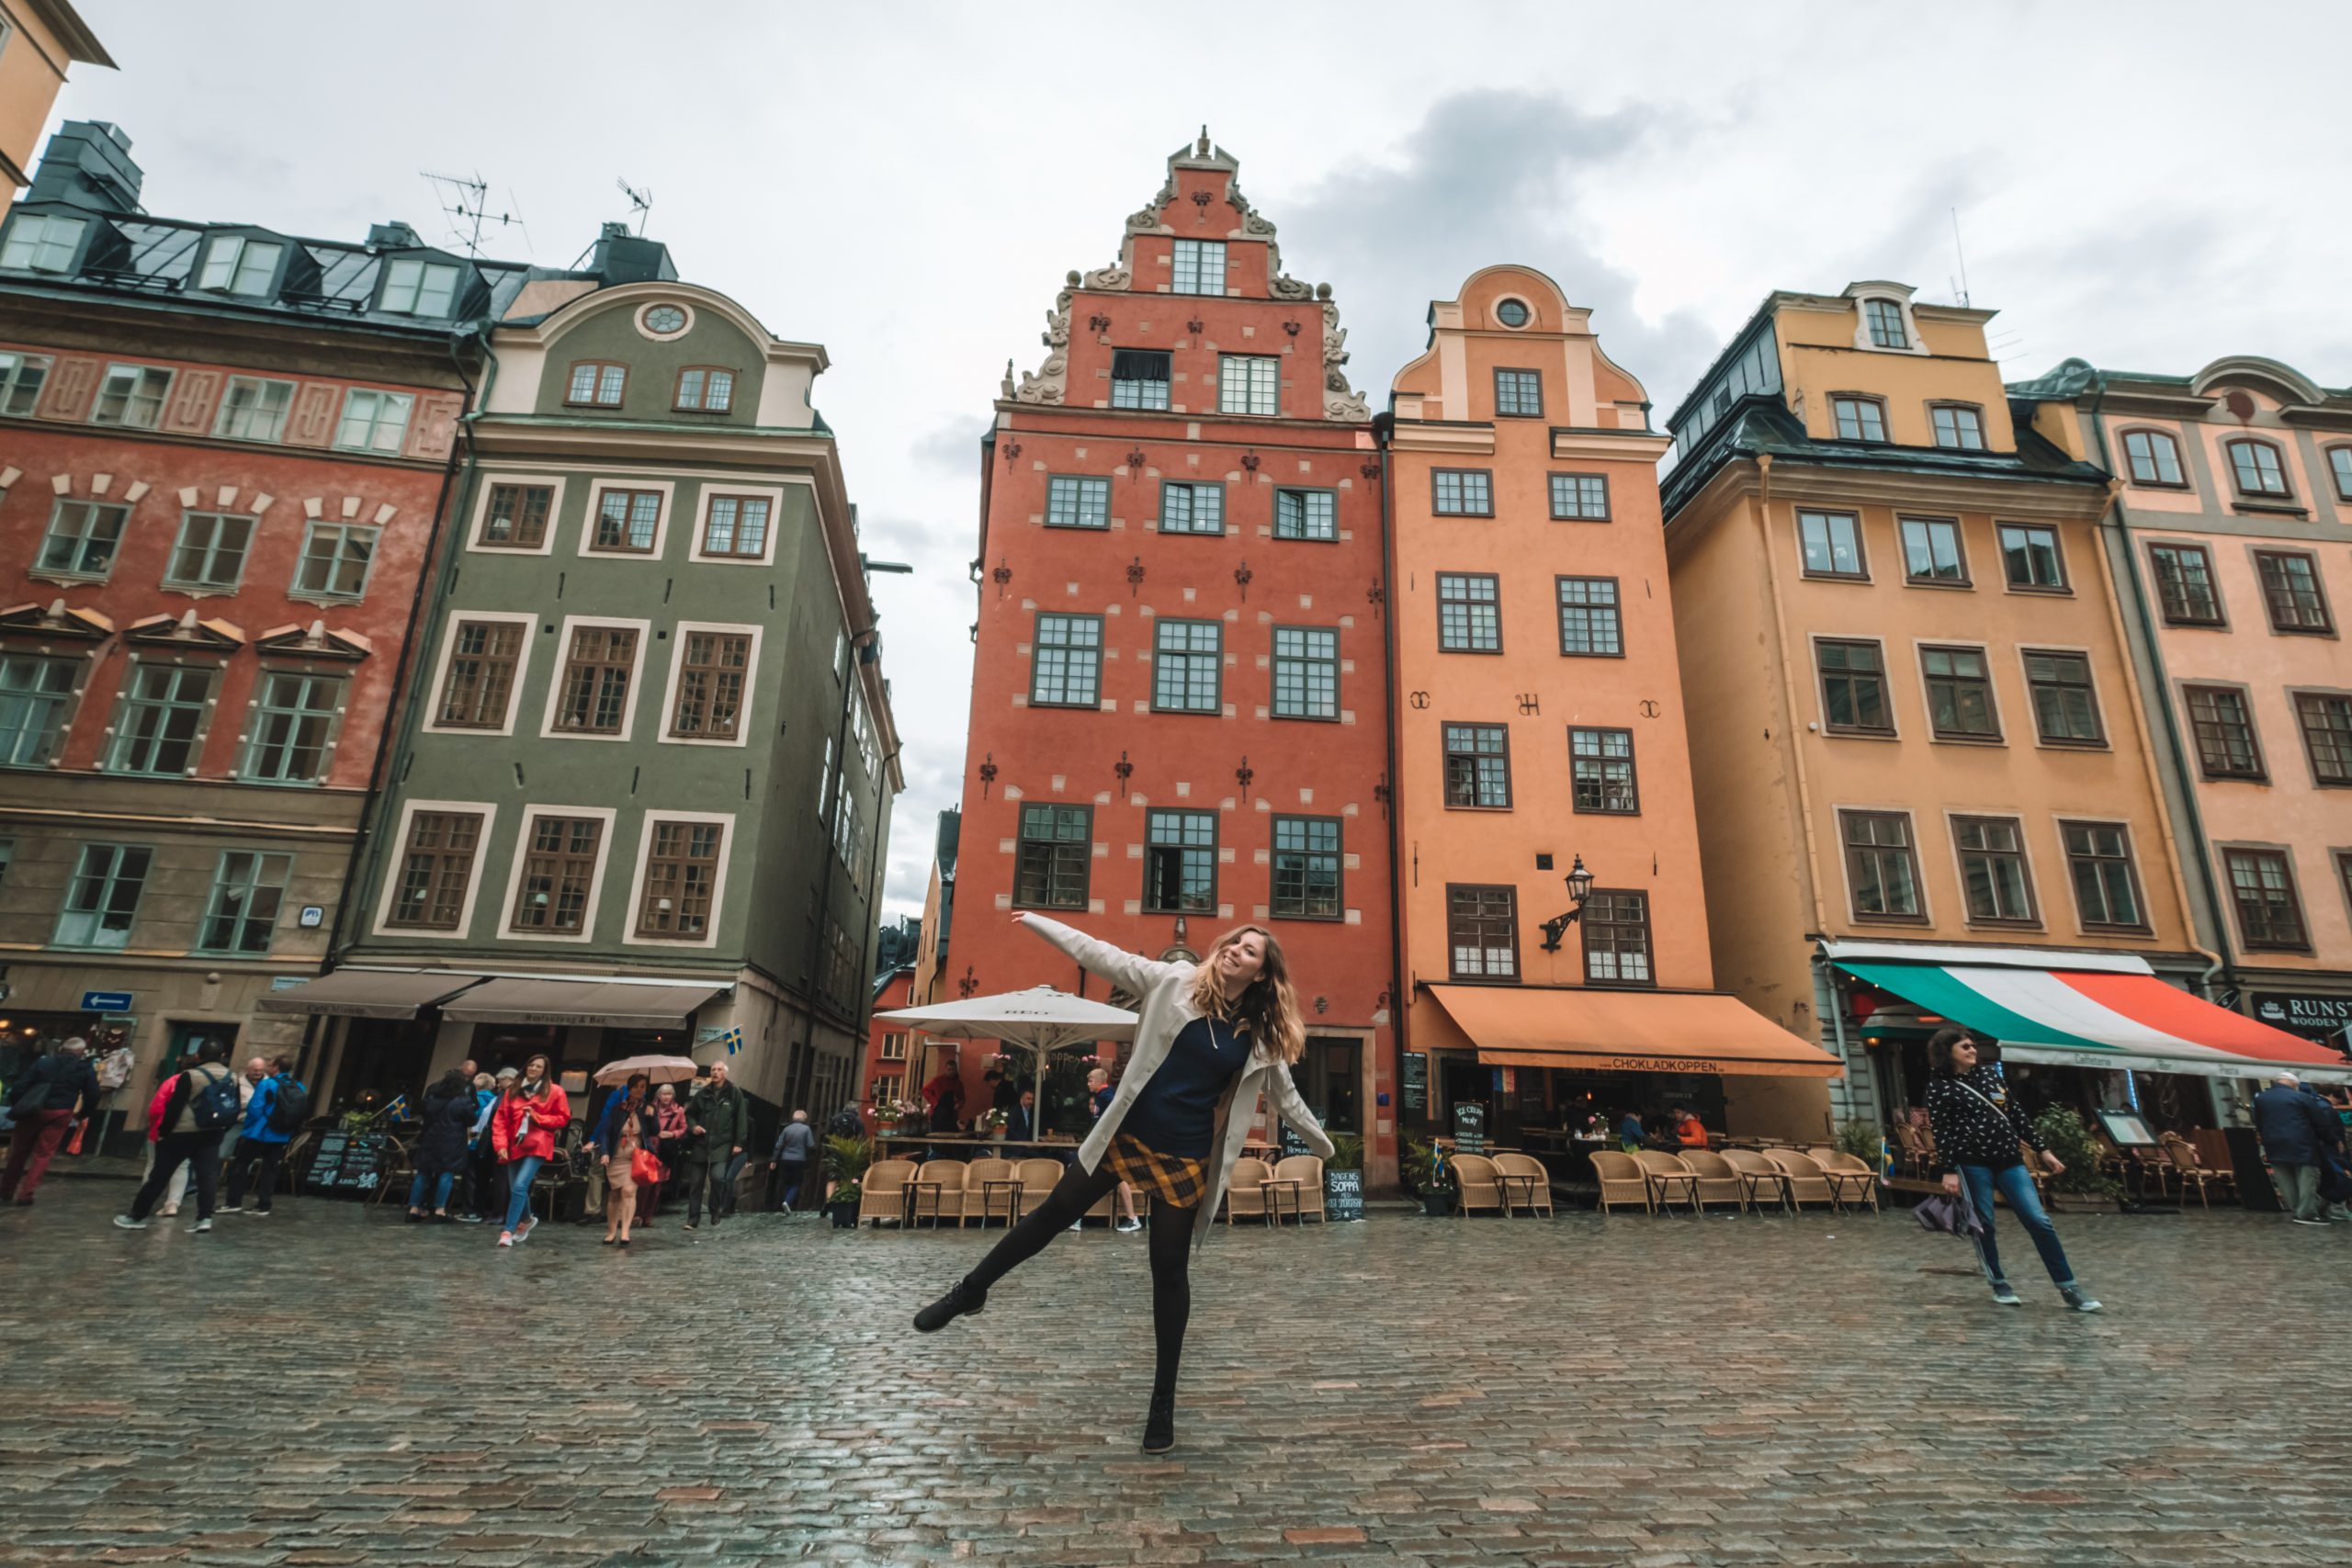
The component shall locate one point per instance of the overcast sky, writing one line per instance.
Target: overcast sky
(2148, 186)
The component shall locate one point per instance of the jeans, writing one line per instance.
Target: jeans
(791, 1174)
(252, 1152)
(31, 1147)
(722, 1187)
(440, 1184)
(2016, 1184)
(490, 1185)
(200, 1151)
(519, 1176)
(2298, 1188)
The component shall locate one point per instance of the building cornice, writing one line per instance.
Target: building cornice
(2011, 498)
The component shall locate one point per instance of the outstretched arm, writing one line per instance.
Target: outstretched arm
(1291, 1108)
(1131, 971)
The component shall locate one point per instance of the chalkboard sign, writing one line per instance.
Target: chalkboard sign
(1288, 1142)
(1343, 1194)
(346, 1163)
(326, 1163)
(1417, 1083)
(1469, 1128)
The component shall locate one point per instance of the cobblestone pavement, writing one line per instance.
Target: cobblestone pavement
(328, 1386)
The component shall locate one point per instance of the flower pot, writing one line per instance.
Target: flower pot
(1437, 1205)
(844, 1215)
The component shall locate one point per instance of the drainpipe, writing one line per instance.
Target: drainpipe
(1400, 994)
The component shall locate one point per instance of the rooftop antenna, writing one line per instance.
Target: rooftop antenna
(642, 200)
(465, 201)
(1961, 286)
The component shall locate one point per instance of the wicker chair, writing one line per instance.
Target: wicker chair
(1529, 1179)
(1623, 1180)
(1756, 1172)
(1806, 1182)
(2213, 1153)
(883, 1194)
(1245, 1189)
(981, 1203)
(1668, 1174)
(1916, 1148)
(2189, 1170)
(1038, 1178)
(1719, 1179)
(1308, 1171)
(1475, 1180)
(1850, 1175)
(939, 1192)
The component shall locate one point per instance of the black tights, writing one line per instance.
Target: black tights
(1171, 1239)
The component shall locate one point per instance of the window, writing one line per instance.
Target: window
(887, 1088)
(1186, 657)
(1477, 767)
(41, 241)
(1306, 514)
(1307, 868)
(2065, 706)
(1960, 694)
(1853, 688)
(21, 377)
(627, 521)
(131, 396)
(1179, 862)
(1066, 665)
(416, 287)
(1617, 938)
(2029, 555)
(1192, 508)
(2257, 469)
(2326, 721)
(516, 518)
(2290, 591)
(845, 827)
(596, 384)
(1518, 394)
(234, 265)
(1992, 876)
(247, 888)
(1306, 672)
(559, 874)
(2339, 463)
(1589, 622)
(825, 777)
(1199, 267)
(83, 536)
(1138, 378)
(1958, 425)
(161, 723)
(1882, 871)
(894, 1046)
(211, 552)
(705, 388)
(1330, 1075)
(1511, 313)
(734, 525)
(481, 677)
(1931, 551)
(1248, 383)
(2152, 457)
(102, 899)
(1055, 850)
(2262, 885)
(1860, 419)
(1602, 763)
(2099, 860)
(1885, 320)
(1582, 498)
(680, 877)
(595, 699)
(1482, 927)
(291, 726)
(253, 409)
(1468, 618)
(373, 422)
(1832, 544)
(1462, 492)
(711, 674)
(666, 321)
(33, 694)
(336, 557)
(1077, 502)
(2184, 575)
(2224, 730)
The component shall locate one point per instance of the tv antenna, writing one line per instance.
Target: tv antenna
(1959, 285)
(642, 200)
(465, 202)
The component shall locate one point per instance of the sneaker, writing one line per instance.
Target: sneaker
(689, 1225)
(127, 1223)
(2301, 1221)
(2005, 1295)
(201, 1227)
(530, 1223)
(230, 1209)
(959, 1300)
(505, 1238)
(2079, 1300)
(254, 1213)
(462, 1219)
(1159, 1425)
(1128, 1226)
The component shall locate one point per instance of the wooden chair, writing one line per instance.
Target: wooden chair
(1849, 1176)
(1623, 1180)
(1530, 1183)
(1245, 1189)
(1806, 1182)
(1756, 1172)
(882, 1195)
(1918, 1155)
(1667, 1176)
(1038, 1178)
(1308, 1171)
(1474, 1178)
(939, 1192)
(984, 1202)
(2188, 1168)
(1719, 1179)
(2213, 1153)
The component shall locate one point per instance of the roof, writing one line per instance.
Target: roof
(80, 43)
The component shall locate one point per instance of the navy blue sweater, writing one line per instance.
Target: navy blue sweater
(1175, 1113)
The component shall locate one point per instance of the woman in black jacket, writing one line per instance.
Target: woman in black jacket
(442, 1144)
(1978, 1127)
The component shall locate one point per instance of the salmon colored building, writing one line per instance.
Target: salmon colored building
(1177, 689)
(1555, 945)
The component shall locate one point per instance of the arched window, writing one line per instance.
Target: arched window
(2258, 469)
(2152, 457)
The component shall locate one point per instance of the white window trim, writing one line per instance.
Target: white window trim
(491, 480)
(221, 411)
(1901, 302)
(409, 809)
(710, 490)
(637, 319)
(547, 731)
(529, 623)
(596, 489)
(677, 668)
(507, 930)
(341, 410)
(162, 401)
(718, 889)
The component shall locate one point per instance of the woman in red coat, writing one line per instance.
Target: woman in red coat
(523, 1129)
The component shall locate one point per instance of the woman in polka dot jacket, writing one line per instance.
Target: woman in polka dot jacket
(1978, 1128)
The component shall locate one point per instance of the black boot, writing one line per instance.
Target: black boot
(960, 1299)
(1159, 1426)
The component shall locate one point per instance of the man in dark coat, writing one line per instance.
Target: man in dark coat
(718, 1117)
(2296, 1133)
(46, 1100)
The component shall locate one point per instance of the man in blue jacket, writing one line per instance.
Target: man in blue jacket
(276, 1112)
(2296, 1134)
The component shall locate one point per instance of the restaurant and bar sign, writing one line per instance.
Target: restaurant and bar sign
(2324, 1019)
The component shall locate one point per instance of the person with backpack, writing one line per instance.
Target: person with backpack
(1979, 1129)
(796, 1148)
(45, 1101)
(189, 1116)
(276, 1112)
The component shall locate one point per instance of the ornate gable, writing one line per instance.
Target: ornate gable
(313, 642)
(186, 632)
(55, 620)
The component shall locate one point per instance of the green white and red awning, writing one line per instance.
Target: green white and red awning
(2082, 1010)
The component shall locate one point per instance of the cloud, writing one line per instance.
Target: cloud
(953, 449)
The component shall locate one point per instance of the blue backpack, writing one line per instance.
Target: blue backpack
(215, 1104)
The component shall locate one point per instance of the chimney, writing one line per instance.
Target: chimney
(88, 164)
(393, 235)
(622, 258)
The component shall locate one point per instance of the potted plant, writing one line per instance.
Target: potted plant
(842, 1205)
(1343, 1179)
(2063, 1133)
(845, 1164)
(1865, 1141)
(1426, 1174)
(994, 1123)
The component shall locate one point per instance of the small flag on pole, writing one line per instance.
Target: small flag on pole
(734, 1038)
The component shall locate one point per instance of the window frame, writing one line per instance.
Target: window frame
(706, 512)
(1252, 365)
(207, 586)
(1082, 852)
(1589, 924)
(1860, 402)
(1165, 380)
(1913, 579)
(1615, 607)
(131, 701)
(235, 269)
(1216, 662)
(1494, 605)
(702, 403)
(1577, 481)
(592, 523)
(642, 888)
(1094, 652)
(1202, 250)
(384, 403)
(1534, 380)
(2283, 857)
(2262, 556)
(1996, 734)
(2065, 583)
(1509, 921)
(1191, 489)
(397, 875)
(93, 510)
(1861, 572)
(485, 509)
(1847, 847)
(2026, 653)
(2300, 700)
(2129, 860)
(36, 250)
(1892, 728)
(518, 879)
(2259, 769)
(263, 386)
(59, 707)
(597, 399)
(2339, 459)
(1576, 784)
(261, 710)
(1974, 411)
(425, 268)
(2156, 465)
(1191, 817)
(1338, 853)
(1955, 822)
(2204, 554)
(1307, 493)
(1094, 485)
(1879, 313)
(1463, 478)
(134, 398)
(681, 637)
(253, 883)
(23, 378)
(558, 679)
(1275, 672)
(345, 533)
(445, 671)
(104, 895)
(1447, 753)
(2283, 495)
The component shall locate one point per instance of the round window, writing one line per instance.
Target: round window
(666, 318)
(1512, 313)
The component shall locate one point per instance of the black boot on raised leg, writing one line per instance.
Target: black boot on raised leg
(960, 1299)
(1159, 1425)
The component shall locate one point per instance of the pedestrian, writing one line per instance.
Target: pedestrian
(443, 1145)
(525, 1126)
(279, 1106)
(1099, 1095)
(625, 1131)
(669, 1148)
(198, 1105)
(176, 1190)
(1978, 1128)
(1213, 1040)
(488, 1177)
(2297, 1132)
(44, 1101)
(718, 1117)
(795, 1146)
(946, 1106)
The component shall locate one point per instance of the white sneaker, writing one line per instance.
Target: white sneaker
(1129, 1226)
(200, 1227)
(505, 1238)
(127, 1223)
(231, 1209)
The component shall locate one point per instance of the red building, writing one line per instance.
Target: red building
(1179, 694)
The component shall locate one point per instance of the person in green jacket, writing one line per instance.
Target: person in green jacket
(718, 1119)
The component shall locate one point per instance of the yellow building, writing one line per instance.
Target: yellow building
(38, 40)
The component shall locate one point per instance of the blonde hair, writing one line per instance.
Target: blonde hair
(1267, 1009)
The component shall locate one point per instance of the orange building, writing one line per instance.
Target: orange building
(39, 40)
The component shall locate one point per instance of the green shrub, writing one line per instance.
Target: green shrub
(2063, 1133)
(1862, 1140)
(1347, 1152)
(847, 1160)
(1422, 1172)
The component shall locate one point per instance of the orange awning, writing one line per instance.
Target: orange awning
(1628, 1032)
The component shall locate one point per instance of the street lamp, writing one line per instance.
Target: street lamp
(1579, 882)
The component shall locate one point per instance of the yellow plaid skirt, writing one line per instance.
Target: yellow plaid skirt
(1177, 1182)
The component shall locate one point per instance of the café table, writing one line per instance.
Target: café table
(1521, 1184)
(1273, 1188)
(1010, 1186)
(914, 1185)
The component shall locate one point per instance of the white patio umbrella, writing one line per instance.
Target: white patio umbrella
(1041, 1019)
(657, 1069)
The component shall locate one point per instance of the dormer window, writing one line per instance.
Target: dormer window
(1959, 426)
(2255, 465)
(235, 264)
(705, 389)
(1200, 268)
(1860, 419)
(1885, 318)
(596, 384)
(418, 287)
(42, 242)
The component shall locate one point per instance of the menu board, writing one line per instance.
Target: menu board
(1469, 1128)
(1417, 1083)
(326, 1162)
(348, 1163)
(1343, 1194)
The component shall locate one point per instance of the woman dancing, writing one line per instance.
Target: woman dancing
(1211, 1039)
